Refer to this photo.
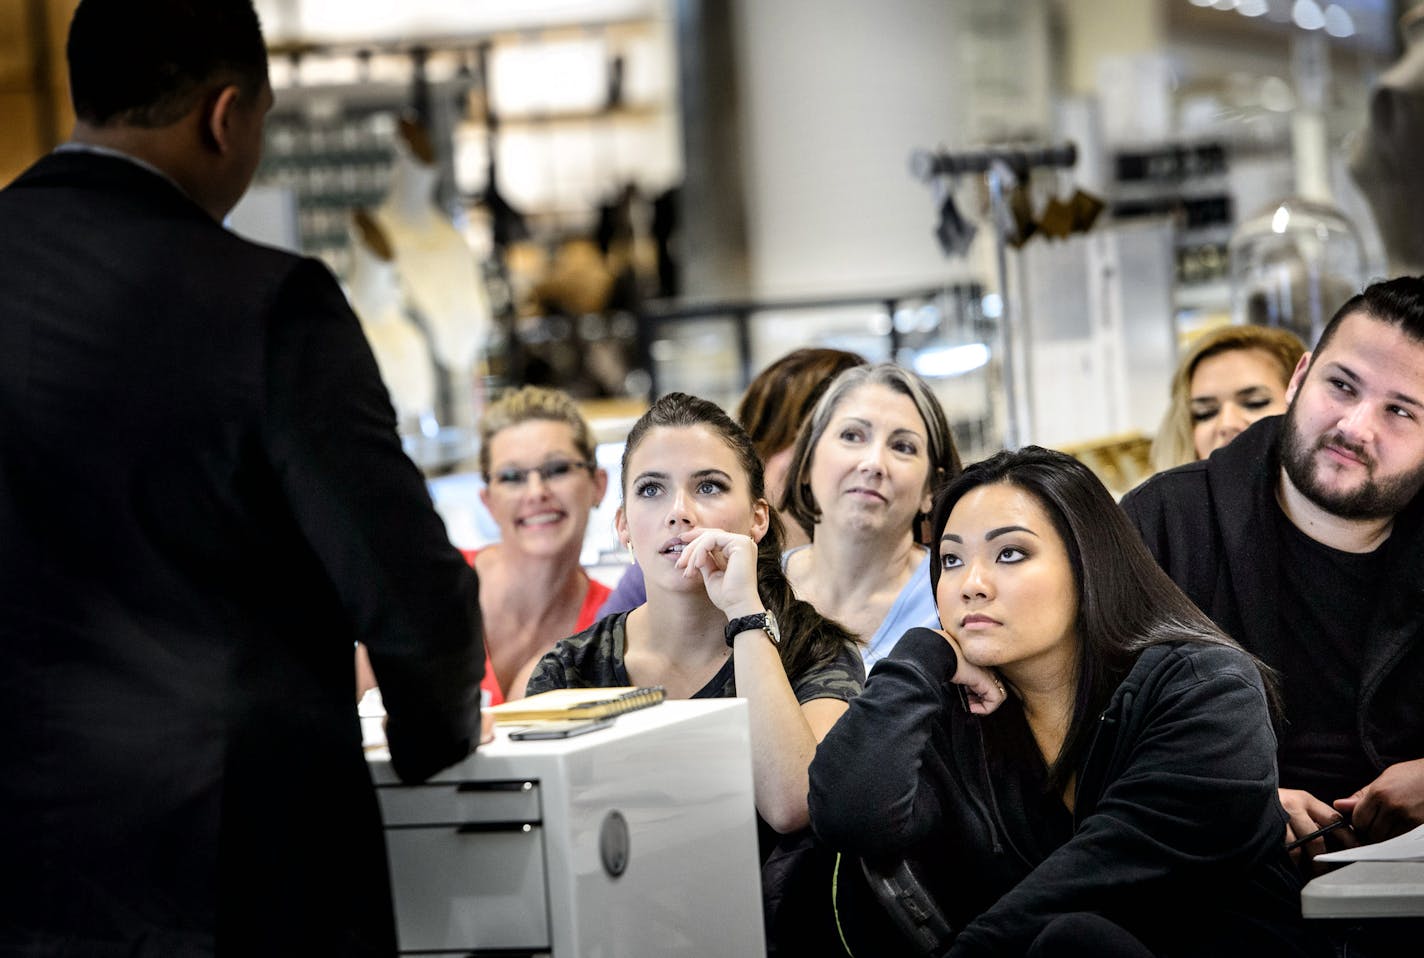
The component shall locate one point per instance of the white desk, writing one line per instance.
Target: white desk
(514, 850)
(1366, 890)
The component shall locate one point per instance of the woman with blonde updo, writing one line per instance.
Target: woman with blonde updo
(1230, 377)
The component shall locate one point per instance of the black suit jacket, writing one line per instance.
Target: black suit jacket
(203, 504)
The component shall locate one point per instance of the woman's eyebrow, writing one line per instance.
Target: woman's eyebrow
(991, 534)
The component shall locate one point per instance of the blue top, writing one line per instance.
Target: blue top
(630, 593)
(913, 607)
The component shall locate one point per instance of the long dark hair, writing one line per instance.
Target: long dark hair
(808, 639)
(1126, 603)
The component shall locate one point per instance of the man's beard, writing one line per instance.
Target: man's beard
(1373, 499)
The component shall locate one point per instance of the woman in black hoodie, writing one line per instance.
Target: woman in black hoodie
(1082, 764)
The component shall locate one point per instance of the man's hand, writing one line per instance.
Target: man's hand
(1305, 813)
(1390, 805)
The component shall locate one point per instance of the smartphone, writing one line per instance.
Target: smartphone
(561, 730)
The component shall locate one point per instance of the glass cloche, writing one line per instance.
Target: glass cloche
(1292, 265)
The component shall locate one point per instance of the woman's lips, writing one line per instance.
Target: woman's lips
(546, 518)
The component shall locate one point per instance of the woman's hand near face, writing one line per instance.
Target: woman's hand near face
(727, 563)
(985, 688)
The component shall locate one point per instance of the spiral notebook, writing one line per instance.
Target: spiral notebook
(570, 705)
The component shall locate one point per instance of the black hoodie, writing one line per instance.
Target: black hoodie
(1209, 525)
(1176, 834)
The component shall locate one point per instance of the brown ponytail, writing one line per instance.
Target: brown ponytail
(809, 639)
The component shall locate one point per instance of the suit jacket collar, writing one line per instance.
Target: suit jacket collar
(97, 150)
(101, 170)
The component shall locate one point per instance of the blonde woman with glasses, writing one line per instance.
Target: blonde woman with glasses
(541, 483)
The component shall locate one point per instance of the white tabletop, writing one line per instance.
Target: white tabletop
(1366, 890)
(504, 752)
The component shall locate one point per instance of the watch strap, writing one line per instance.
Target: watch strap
(746, 623)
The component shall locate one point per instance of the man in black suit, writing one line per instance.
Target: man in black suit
(203, 506)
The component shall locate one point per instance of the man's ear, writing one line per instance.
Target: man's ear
(218, 117)
(1297, 378)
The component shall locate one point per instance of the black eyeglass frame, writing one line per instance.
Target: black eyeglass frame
(551, 471)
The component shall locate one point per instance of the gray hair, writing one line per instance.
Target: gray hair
(799, 503)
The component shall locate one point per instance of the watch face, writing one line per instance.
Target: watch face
(773, 628)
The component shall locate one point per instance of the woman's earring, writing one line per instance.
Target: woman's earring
(632, 557)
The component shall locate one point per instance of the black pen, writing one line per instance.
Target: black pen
(1338, 823)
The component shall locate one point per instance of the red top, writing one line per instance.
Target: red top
(588, 612)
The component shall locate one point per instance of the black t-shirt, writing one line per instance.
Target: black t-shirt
(1328, 600)
(594, 659)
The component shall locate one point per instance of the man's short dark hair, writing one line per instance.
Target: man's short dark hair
(1398, 302)
(146, 62)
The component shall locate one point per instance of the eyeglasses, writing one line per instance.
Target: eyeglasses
(551, 472)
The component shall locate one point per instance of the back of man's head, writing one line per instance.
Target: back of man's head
(146, 63)
(1397, 302)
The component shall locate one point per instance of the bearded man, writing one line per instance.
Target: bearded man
(1302, 539)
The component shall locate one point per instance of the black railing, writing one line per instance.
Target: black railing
(656, 313)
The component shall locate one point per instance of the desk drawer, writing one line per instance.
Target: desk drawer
(469, 889)
(514, 801)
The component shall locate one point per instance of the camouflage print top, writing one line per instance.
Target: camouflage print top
(594, 659)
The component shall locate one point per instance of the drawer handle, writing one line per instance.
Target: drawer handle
(515, 786)
(480, 828)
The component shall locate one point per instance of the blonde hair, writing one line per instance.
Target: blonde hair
(1174, 445)
(533, 402)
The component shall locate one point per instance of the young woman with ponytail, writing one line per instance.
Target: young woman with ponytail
(720, 619)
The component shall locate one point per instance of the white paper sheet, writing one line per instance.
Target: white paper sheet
(1408, 847)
